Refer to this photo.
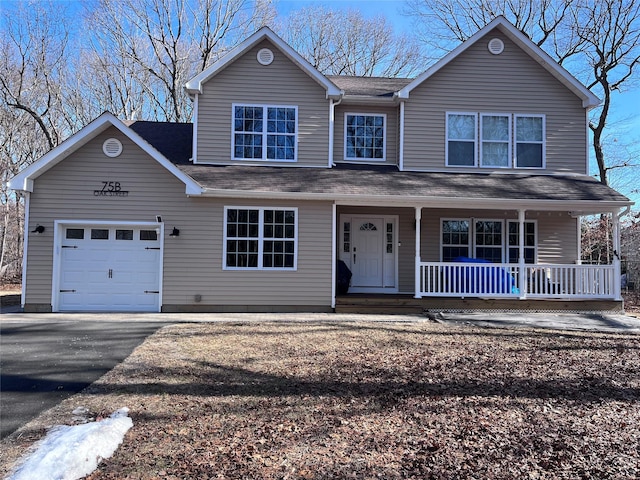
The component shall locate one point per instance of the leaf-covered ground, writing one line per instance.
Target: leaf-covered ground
(368, 400)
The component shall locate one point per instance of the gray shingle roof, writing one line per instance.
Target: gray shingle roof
(369, 86)
(174, 141)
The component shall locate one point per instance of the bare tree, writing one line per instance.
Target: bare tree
(598, 40)
(339, 42)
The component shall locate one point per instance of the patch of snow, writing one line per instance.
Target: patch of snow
(73, 452)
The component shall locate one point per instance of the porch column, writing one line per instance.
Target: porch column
(522, 272)
(418, 293)
(617, 275)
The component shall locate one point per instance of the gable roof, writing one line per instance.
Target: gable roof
(369, 86)
(24, 180)
(194, 86)
(589, 100)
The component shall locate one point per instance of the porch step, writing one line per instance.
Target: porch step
(407, 305)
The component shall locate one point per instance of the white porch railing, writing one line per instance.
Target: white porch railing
(504, 280)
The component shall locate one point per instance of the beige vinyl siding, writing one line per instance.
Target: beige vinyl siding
(478, 81)
(391, 132)
(556, 232)
(246, 81)
(192, 261)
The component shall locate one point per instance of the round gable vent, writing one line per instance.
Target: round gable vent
(265, 56)
(112, 147)
(496, 46)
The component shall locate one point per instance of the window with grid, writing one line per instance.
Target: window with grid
(264, 132)
(529, 242)
(455, 239)
(488, 240)
(364, 137)
(260, 238)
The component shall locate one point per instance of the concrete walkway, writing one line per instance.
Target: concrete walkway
(600, 322)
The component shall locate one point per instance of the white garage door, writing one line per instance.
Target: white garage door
(109, 268)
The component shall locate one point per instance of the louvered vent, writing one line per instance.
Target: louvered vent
(265, 56)
(496, 46)
(112, 147)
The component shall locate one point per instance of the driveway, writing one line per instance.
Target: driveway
(44, 362)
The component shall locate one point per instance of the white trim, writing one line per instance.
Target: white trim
(535, 239)
(194, 140)
(332, 123)
(475, 138)
(24, 180)
(59, 228)
(470, 232)
(194, 85)
(589, 100)
(261, 239)
(482, 141)
(543, 143)
(25, 246)
(384, 137)
(264, 133)
(417, 255)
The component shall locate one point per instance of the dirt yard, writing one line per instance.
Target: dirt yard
(367, 400)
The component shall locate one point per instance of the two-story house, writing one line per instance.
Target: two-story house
(460, 188)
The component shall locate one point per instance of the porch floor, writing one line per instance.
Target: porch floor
(406, 305)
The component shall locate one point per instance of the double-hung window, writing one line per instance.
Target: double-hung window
(260, 238)
(529, 141)
(364, 137)
(461, 139)
(498, 140)
(487, 240)
(495, 144)
(264, 132)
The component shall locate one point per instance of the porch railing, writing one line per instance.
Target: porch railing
(504, 280)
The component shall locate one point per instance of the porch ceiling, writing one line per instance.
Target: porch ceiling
(385, 185)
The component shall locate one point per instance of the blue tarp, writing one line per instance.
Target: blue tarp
(482, 280)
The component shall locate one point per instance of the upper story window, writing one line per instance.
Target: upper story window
(264, 132)
(364, 137)
(495, 142)
(260, 238)
(499, 140)
(529, 141)
(461, 139)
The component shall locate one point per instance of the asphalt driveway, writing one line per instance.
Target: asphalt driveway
(42, 363)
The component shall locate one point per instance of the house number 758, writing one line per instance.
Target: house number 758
(111, 187)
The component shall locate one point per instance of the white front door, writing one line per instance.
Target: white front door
(367, 252)
(109, 268)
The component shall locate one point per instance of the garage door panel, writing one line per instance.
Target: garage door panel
(110, 272)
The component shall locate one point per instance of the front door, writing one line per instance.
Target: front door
(367, 252)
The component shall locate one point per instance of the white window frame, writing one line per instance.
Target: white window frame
(482, 141)
(260, 239)
(502, 235)
(470, 232)
(472, 245)
(384, 137)
(543, 142)
(475, 139)
(264, 133)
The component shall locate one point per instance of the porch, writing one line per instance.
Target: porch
(385, 304)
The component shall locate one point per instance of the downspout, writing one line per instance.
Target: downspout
(194, 144)
(25, 248)
(332, 121)
(401, 138)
